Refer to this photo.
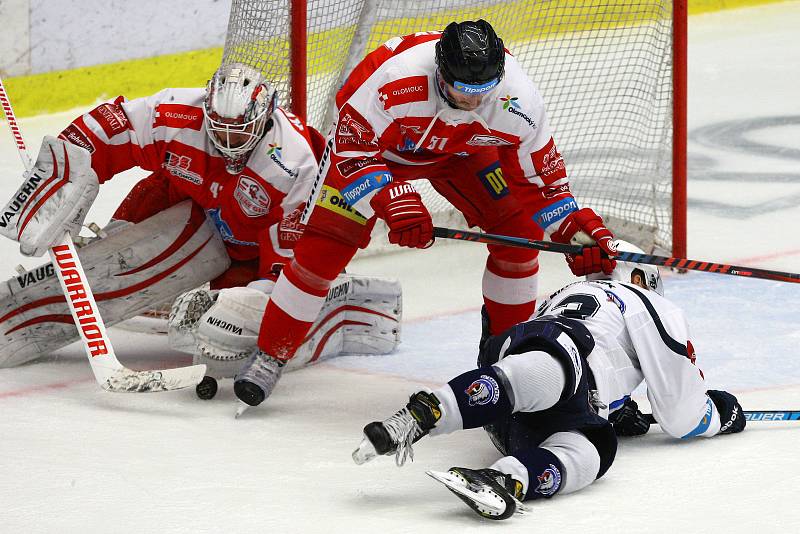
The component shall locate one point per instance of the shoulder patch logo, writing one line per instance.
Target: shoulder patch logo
(404, 91)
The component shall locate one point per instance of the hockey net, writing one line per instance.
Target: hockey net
(604, 68)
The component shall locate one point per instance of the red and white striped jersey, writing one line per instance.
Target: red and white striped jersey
(165, 134)
(390, 110)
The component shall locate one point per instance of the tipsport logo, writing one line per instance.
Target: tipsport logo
(511, 104)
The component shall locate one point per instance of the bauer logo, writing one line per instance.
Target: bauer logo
(483, 391)
(492, 179)
(252, 197)
(355, 191)
(549, 481)
(554, 213)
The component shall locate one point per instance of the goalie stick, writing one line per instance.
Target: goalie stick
(634, 257)
(108, 371)
(763, 415)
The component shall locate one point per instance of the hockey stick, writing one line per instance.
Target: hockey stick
(665, 261)
(764, 415)
(109, 373)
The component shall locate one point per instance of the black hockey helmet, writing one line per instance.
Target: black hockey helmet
(470, 56)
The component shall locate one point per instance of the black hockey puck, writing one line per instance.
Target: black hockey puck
(248, 392)
(207, 388)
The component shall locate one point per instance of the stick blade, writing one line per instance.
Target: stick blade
(126, 380)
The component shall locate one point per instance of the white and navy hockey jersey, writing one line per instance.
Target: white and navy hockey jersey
(640, 336)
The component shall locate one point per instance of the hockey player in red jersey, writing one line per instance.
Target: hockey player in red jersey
(546, 389)
(454, 108)
(229, 147)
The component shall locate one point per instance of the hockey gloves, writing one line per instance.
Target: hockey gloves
(585, 227)
(409, 222)
(731, 416)
(55, 198)
(628, 420)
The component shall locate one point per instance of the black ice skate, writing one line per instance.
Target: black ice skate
(397, 433)
(492, 494)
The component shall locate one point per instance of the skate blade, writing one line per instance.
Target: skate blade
(456, 485)
(365, 452)
(241, 409)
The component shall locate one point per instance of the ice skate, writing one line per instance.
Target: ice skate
(492, 494)
(397, 433)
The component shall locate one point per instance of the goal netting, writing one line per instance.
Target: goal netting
(604, 68)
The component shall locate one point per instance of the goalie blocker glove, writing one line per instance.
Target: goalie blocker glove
(54, 198)
(409, 222)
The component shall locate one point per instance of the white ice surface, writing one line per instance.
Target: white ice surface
(74, 458)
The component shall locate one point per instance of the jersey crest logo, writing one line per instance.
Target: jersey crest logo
(252, 197)
(352, 134)
(483, 391)
(548, 163)
(549, 481)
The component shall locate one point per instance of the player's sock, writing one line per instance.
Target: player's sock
(509, 293)
(481, 397)
(397, 433)
(543, 474)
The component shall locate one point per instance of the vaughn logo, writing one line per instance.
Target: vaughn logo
(337, 291)
(274, 154)
(23, 194)
(178, 166)
(225, 325)
(511, 105)
(42, 272)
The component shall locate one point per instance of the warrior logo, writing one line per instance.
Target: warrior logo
(483, 391)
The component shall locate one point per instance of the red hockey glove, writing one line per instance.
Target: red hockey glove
(594, 232)
(409, 222)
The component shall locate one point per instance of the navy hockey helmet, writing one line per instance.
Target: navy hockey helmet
(470, 56)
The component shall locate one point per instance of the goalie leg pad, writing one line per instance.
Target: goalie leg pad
(135, 268)
(361, 315)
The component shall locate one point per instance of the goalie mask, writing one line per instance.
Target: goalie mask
(626, 271)
(238, 108)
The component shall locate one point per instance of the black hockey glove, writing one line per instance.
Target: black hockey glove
(629, 421)
(731, 415)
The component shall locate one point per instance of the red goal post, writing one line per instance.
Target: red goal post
(612, 72)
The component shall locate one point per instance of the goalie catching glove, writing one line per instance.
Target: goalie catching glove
(409, 222)
(55, 197)
(585, 227)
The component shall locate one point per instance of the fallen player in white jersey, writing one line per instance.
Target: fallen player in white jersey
(546, 389)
